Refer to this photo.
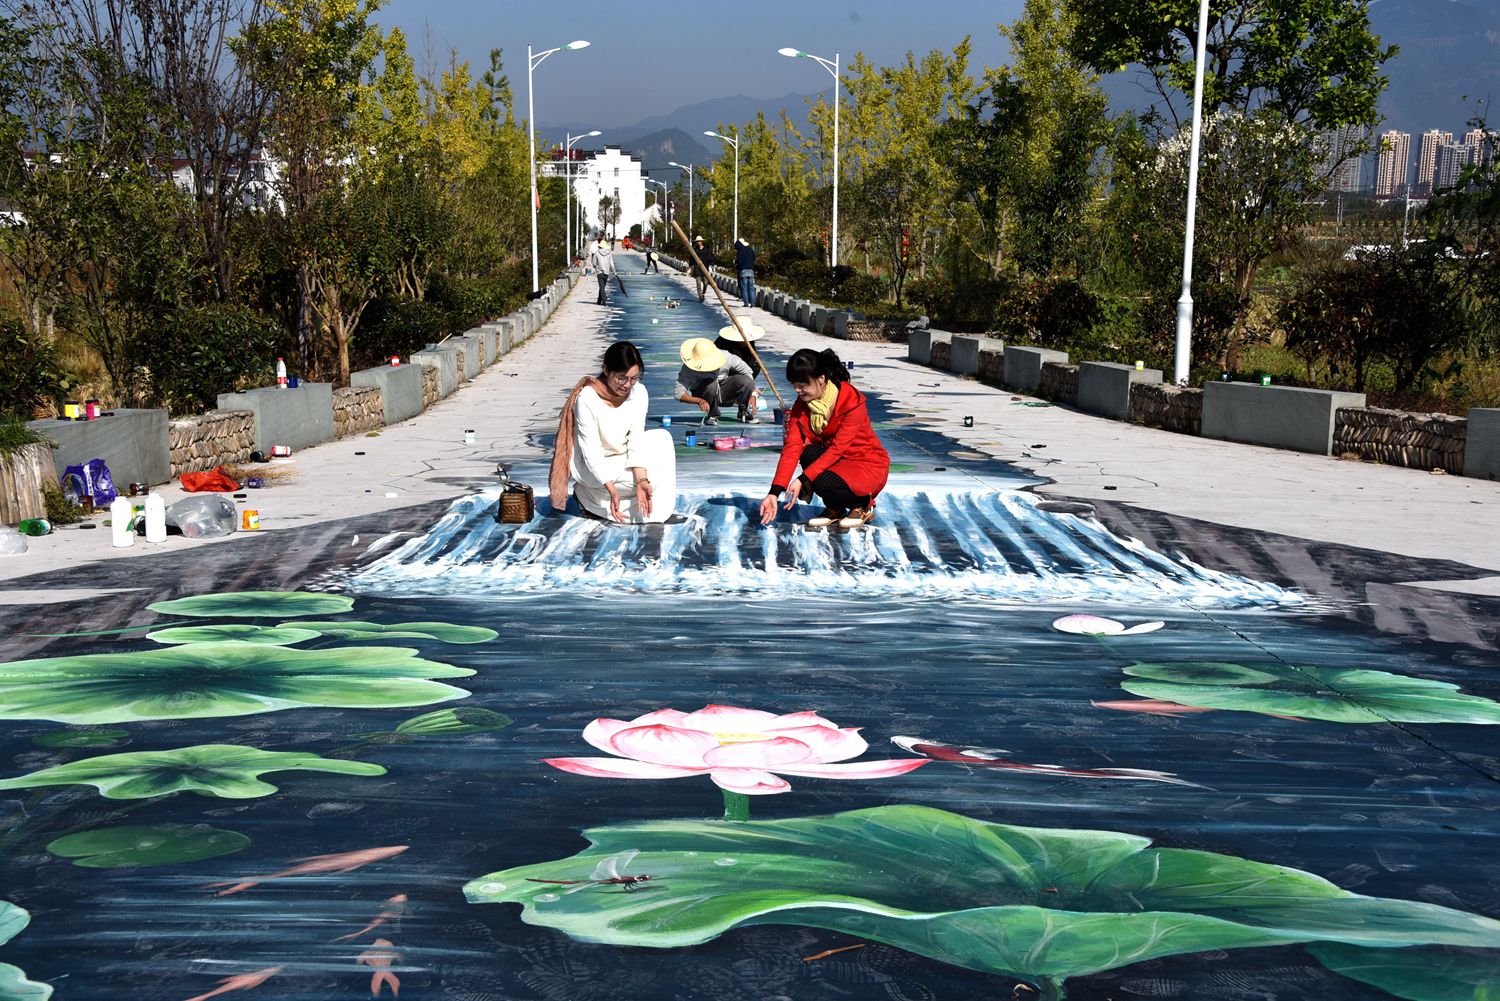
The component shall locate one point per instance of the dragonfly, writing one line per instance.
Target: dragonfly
(606, 873)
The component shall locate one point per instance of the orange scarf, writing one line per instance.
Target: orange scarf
(562, 454)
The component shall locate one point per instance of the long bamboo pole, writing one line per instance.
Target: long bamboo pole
(732, 318)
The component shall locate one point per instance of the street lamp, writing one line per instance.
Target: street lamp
(735, 144)
(1185, 304)
(689, 170)
(568, 171)
(664, 190)
(832, 67)
(532, 62)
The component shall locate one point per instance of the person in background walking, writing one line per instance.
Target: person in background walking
(651, 264)
(707, 257)
(744, 263)
(602, 260)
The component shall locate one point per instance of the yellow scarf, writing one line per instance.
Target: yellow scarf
(822, 408)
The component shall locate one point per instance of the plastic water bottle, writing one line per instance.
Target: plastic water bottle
(156, 518)
(281, 372)
(121, 515)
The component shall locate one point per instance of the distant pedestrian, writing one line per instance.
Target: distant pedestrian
(707, 257)
(744, 263)
(602, 260)
(651, 263)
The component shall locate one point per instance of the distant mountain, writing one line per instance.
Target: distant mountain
(691, 120)
(659, 148)
(1449, 61)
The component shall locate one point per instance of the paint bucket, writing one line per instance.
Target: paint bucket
(395, 361)
(690, 439)
(778, 416)
(469, 436)
(1140, 366)
(968, 422)
(90, 409)
(1265, 380)
(72, 411)
(292, 382)
(250, 520)
(666, 422)
(280, 451)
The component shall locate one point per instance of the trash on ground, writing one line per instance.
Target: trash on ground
(203, 516)
(12, 543)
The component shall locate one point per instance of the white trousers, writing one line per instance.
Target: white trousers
(658, 452)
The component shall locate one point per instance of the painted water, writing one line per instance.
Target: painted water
(1255, 728)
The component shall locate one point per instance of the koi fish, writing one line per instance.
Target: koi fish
(393, 909)
(342, 862)
(981, 757)
(379, 957)
(240, 982)
(1156, 707)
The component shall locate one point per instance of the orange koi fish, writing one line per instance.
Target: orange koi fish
(342, 862)
(240, 982)
(379, 957)
(392, 911)
(1156, 707)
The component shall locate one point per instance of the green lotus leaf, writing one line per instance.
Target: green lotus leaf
(1038, 904)
(451, 722)
(1336, 694)
(142, 845)
(445, 632)
(13, 983)
(1417, 974)
(93, 737)
(255, 604)
(196, 680)
(266, 635)
(228, 771)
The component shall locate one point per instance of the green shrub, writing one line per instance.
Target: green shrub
(31, 376)
(203, 351)
(1049, 312)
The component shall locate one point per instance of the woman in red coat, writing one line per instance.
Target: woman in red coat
(828, 432)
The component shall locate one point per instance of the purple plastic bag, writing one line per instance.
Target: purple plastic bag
(92, 480)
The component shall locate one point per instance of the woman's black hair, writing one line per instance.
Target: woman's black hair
(622, 356)
(807, 364)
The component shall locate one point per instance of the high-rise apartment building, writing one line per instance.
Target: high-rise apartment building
(1392, 166)
(1427, 158)
(1452, 158)
(1482, 144)
(1343, 164)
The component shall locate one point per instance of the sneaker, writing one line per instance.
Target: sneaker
(747, 415)
(710, 421)
(856, 518)
(826, 517)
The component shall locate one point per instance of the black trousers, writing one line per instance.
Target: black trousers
(603, 284)
(731, 390)
(830, 486)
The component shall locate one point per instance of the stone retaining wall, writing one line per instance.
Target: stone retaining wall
(878, 330)
(942, 354)
(1171, 408)
(992, 368)
(1059, 383)
(1398, 438)
(217, 438)
(430, 386)
(357, 409)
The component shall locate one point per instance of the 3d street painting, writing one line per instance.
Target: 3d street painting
(990, 747)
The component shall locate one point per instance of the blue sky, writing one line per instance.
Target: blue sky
(648, 59)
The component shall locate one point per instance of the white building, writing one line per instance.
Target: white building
(1394, 163)
(612, 172)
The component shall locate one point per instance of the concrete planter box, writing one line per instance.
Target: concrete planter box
(489, 338)
(538, 315)
(1482, 447)
(522, 322)
(761, 297)
(963, 356)
(504, 336)
(133, 443)
(400, 389)
(1023, 366)
(1279, 416)
(919, 344)
(445, 360)
(804, 313)
(789, 309)
(296, 417)
(473, 352)
(1104, 387)
(819, 322)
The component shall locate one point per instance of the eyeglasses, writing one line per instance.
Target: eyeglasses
(624, 380)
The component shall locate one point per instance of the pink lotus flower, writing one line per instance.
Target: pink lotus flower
(743, 750)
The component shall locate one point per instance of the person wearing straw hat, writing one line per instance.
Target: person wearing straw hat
(602, 260)
(731, 341)
(711, 378)
(828, 432)
(619, 471)
(707, 257)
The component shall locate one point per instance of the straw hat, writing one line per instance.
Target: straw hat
(752, 333)
(697, 239)
(700, 355)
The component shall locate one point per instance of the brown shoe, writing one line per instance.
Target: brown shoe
(826, 517)
(859, 516)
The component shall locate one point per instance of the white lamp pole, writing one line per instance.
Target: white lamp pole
(663, 204)
(568, 171)
(832, 67)
(735, 144)
(689, 169)
(532, 62)
(1184, 356)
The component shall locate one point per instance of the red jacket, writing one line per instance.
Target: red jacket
(853, 453)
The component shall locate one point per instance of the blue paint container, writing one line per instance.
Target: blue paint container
(666, 422)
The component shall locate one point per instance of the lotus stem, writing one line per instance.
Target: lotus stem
(736, 806)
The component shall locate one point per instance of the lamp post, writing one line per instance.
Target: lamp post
(735, 144)
(568, 172)
(689, 169)
(1185, 304)
(533, 60)
(664, 190)
(831, 67)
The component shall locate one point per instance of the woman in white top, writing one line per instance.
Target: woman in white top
(618, 469)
